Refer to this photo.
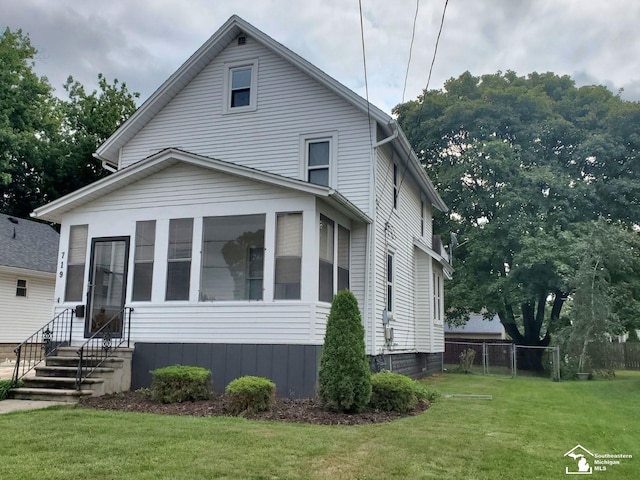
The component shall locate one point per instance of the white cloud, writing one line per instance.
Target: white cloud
(143, 42)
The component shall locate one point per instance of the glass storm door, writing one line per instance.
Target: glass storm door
(107, 285)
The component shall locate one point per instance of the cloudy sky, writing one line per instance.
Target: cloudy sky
(141, 42)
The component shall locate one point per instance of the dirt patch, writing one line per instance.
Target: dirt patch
(284, 410)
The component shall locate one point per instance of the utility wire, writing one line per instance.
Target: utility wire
(366, 83)
(433, 60)
(413, 34)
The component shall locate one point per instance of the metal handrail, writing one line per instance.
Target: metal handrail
(42, 344)
(101, 345)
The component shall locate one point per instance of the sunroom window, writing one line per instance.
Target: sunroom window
(232, 258)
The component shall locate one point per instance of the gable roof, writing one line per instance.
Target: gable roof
(232, 28)
(27, 244)
(53, 211)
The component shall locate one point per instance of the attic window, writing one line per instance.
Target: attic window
(240, 86)
(21, 288)
(242, 40)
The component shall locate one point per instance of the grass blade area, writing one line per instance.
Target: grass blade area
(523, 432)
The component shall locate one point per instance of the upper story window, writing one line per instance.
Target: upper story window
(76, 259)
(21, 288)
(240, 87)
(319, 155)
(396, 186)
(423, 219)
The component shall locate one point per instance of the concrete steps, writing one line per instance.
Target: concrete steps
(49, 394)
(55, 381)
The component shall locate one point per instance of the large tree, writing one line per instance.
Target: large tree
(46, 144)
(524, 163)
(29, 125)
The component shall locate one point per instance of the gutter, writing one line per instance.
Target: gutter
(105, 163)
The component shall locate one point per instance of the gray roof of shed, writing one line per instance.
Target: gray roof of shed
(27, 244)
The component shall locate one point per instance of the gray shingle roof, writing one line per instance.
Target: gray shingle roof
(27, 244)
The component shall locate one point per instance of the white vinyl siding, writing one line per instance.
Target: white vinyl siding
(404, 224)
(424, 323)
(289, 104)
(22, 316)
(256, 322)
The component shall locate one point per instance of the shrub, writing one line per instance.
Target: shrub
(250, 394)
(180, 383)
(392, 392)
(344, 376)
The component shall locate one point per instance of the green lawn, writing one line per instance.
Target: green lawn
(523, 432)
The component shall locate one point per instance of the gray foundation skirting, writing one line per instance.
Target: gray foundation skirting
(293, 368)
(414, 365)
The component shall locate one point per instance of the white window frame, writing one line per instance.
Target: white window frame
(390, 304)
(253, 93)
(396, 185)
(24, 287)
(305, 140)
(438, 290)
(423, 217)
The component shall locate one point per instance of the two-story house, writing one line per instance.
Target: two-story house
(246, 191)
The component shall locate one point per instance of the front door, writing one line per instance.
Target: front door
(107, 285)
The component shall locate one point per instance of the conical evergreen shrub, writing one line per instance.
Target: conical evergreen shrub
(344, 377)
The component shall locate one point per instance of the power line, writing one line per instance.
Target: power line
(366, 83)
(433, 60)
(413, 34)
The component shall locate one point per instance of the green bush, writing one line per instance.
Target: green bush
(250, 394)
(392, 392)
(344, 376)
(180, 383)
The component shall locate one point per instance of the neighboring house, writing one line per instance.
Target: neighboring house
(477, 328)
(247, 190)
(28, 252)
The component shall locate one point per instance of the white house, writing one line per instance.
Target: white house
(247, 190)
(28, 252)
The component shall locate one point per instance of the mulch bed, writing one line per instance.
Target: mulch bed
(284, 410)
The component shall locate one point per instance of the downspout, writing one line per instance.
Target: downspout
(369, 295)
(371, 233)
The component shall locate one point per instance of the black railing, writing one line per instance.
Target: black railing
(43, 343)
(114, 333)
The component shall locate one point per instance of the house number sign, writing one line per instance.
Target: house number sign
(61, 271)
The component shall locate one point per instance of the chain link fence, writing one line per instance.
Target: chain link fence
(500, 358)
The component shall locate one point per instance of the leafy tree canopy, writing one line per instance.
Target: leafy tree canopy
(525, 165)
(46, 144)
